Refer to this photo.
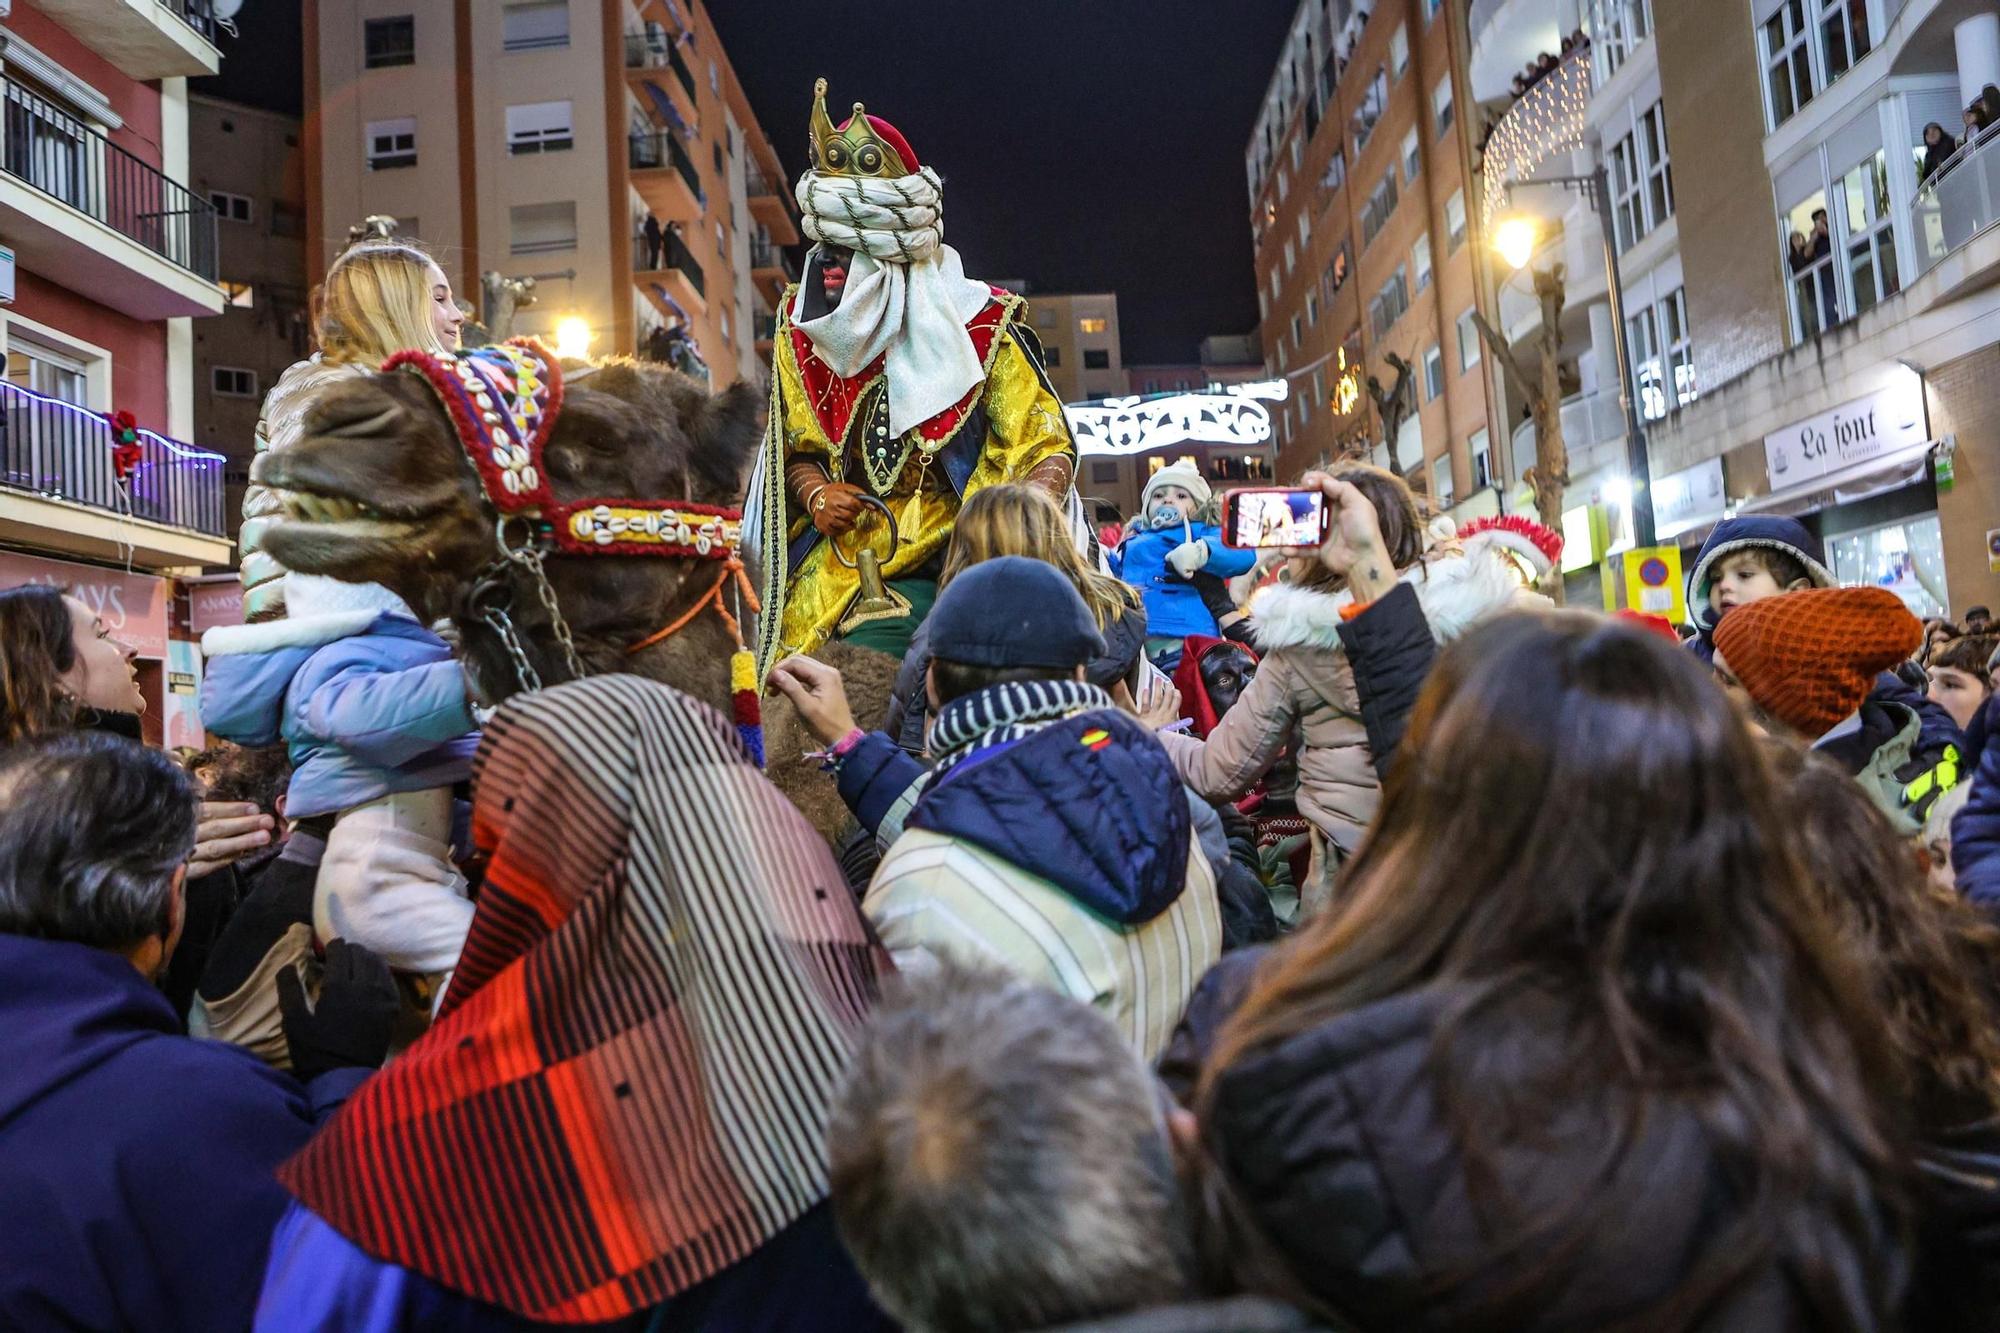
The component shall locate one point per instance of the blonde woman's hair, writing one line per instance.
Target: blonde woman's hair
(376, 301)
(1017, 519)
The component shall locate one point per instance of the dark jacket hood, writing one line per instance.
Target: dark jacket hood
(1091, 804)
(1735, 534)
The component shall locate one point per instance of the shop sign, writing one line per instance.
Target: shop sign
(1877, 426)
(1689, 498)
(213, 604)
(132, 606)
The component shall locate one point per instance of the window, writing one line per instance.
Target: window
(232, 207)
(238, 294)
(1628, 210)
(1335, 174)
(1335, 276)
(1291, 255)
(722, 317)
(1319, 386)
(719, 168)
(537, 229)
(1298, 152)
(1410, 158)
(539, 127)
(1298, 332)
(1305, 227)
(1454, 219)
(1373, 103)
(390, 41)
(1420, 262)
(1433, 373)
(1659, 170)
(46, 371)
(232, 381)
(1863, 197)
(1381, 205)
(1642, 339)
(1787, 64)
(1312, 309)
(1441, 480)
(1052, 356)
(1680, 346)
(1808, 232)
(1276, 278)
(1431, 8)
(1096, 358)
(1389, 303)
(392, 143)
(535, 25)
(1399, 52)
(1480, 450)
(1617, 29)
(1468, 342)
(1441, 104)
(1843, 32)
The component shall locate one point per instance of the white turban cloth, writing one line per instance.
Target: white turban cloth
(907, 294)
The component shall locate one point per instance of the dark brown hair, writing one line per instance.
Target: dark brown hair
(1931, 958)
(1395, 506)
(1580, 847)
(37, 645)
(1968, 653)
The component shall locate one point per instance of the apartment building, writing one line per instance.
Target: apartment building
(448, 118)
(249, 164)
(1813, 315)
(1080, 343)
(1360, 185)
(107, 259)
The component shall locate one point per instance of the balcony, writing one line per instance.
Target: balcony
(770, 204)
(145, 39)
(766, 327)
(1593, 427)
(654, 50)
(57, 484)
(109, 225)
(771, 267)
(1539, 133)
(1956, 208)
(665, 177)
(675, 280)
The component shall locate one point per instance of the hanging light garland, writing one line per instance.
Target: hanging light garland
(1548, 120)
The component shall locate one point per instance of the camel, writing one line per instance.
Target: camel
(378, 489)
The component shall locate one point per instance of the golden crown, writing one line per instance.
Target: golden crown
(854, 150)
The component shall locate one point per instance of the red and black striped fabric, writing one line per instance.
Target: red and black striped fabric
(626, 1090)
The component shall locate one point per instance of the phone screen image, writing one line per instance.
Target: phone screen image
(1276, 518)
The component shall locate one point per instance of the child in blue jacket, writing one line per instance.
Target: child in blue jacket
(1166, 549)
(375, 712)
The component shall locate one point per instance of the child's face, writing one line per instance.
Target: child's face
(1741, 579)
(1959, 693)
(1175, 496)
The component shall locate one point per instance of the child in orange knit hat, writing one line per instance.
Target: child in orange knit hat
(1810, 660)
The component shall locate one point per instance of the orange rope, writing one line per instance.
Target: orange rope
(745, 590)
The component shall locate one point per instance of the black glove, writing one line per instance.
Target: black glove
(349, 1028)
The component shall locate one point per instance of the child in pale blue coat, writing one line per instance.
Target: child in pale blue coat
(375, 712)
(1167, 547)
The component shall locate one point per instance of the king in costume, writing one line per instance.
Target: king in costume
(895, 379)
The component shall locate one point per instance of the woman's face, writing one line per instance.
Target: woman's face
(1933, 135)
(103, 676)
(446, 317)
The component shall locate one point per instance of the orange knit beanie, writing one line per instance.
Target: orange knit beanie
(1810, 658)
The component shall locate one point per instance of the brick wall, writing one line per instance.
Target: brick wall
(1715, 122)
(1965, 402)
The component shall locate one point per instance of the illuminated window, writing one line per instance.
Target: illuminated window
(1399, 53)
(1094, 325)
(1441, 104)
(239, 294)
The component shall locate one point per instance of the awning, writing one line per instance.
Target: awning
(1874, 476)
(663, 106)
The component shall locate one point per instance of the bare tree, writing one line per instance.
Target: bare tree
(1394, 404)
(1542, 391)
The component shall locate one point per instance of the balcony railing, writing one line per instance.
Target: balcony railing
(765, 255)
(1959, 202)
(659, 148)
(65, 159)
(57, 449)
(1590, 423)
(648, 50)
(766, 327)
(1545, 123)
(197, 14)
(756, 184)
(678, 257)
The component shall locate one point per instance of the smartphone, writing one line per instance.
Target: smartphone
(1260, 517)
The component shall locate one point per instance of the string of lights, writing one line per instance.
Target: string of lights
(1547, 121)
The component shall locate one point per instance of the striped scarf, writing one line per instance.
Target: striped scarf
(1002, 713)
(627, 1087)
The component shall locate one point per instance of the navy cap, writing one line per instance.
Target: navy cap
(1014, 612)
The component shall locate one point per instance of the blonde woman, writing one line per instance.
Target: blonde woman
(378, 298)
(1017, 519)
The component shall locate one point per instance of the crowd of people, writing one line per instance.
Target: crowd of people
(1332, 937)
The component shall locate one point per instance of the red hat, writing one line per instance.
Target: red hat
(1810, 658)
(1659, 625)
(1196, 706)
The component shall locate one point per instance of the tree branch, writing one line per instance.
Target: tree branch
(1516, 376)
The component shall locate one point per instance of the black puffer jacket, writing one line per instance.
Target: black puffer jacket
(1124, 641)
(1339, 1140)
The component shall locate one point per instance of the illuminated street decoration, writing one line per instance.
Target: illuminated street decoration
(1346, 386)
(1234, 415)
(1545, 122)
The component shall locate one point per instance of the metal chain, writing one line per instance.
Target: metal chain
(530, 560)
(525, 675)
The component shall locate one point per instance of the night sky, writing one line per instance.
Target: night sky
(1086, 145)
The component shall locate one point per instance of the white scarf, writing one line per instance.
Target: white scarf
(907, 294)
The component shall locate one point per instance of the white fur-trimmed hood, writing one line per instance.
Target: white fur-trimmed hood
(1456, 591)
(318, 610)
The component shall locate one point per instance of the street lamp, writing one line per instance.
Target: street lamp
(1515, 240)
(573, 337)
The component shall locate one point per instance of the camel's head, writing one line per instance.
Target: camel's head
(378, 489)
